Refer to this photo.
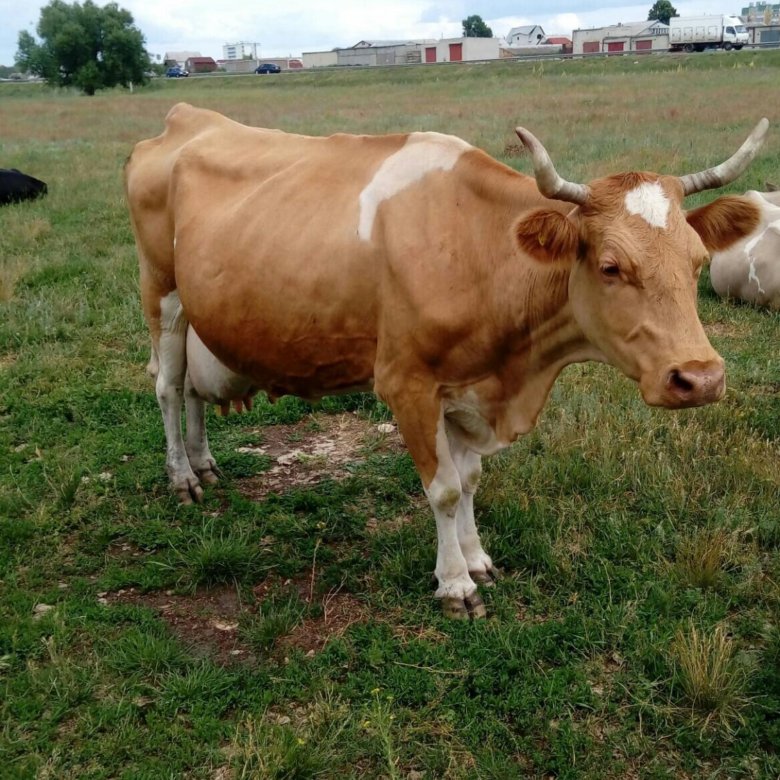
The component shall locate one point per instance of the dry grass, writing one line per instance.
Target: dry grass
(701, 557)
(712, 676)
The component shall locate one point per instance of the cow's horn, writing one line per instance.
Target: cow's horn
(729, 170)
(550, 184)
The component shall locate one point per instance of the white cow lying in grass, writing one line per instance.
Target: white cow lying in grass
(750, 269)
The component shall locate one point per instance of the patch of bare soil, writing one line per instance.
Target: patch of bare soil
(319, 447)
(208, 621)
(339, 612)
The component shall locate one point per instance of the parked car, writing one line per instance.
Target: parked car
(268, 67)
(176, 73)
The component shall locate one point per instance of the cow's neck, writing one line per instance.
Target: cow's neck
(538, 334)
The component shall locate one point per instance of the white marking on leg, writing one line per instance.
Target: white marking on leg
(197, 444)
(469, 466)
(421, 154)
(444, 495)
(170, 391)
(649, 201)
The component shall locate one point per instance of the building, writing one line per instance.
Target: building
(320, 59)
(617, 38)
(382, 53)
(463, 50)
(243, 50)
(200, 64)
(559, 40)
(763, 23)
(520, 37)
(173, 58)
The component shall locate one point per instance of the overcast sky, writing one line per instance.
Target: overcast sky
(290, 27)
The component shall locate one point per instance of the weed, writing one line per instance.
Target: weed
(140, 652)
(279, 613)
(217, 557)
(701, 557)
(712, 676)
(309, 742)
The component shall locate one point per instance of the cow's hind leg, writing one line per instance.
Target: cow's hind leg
(172, 357)
(469, 466)
(197, 444)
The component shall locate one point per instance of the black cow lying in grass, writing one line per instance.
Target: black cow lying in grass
(16, 186)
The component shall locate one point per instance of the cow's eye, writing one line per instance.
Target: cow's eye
(610, 270)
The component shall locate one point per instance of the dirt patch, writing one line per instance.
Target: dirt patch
(208, 621)
(339, 612)
(319, 447)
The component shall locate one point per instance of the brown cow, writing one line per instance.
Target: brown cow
(417, 265)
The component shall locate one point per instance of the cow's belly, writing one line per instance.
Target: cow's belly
(288, 331)
(230, 368)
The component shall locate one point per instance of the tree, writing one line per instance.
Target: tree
(85, 46)
(662, 10)
(475, 27)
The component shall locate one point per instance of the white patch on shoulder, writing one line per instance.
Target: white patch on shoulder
(649, 201)
(421, 154)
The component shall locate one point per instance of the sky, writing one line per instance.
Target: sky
(290, 27)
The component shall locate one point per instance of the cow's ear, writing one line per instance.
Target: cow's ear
(547, 236)
(724, 221)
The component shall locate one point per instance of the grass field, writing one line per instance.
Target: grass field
(286, 627)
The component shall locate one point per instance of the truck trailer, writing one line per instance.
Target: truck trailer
(697, 33)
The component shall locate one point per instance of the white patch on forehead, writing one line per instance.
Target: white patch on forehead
(649, 201)
(421, 154)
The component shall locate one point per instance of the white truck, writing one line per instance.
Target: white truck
(697, 33)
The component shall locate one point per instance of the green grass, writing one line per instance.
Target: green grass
(636, 631)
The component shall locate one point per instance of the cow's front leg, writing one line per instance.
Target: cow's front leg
(469, 466)
(171, 352)
(422, 426)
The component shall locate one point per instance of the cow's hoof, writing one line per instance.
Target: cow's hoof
(487, 578)
(209, 475)
(190, 493)
(470, 608)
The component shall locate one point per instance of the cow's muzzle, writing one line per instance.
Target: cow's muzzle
(694, 383)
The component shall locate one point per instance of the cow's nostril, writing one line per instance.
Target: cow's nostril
(678, 381)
